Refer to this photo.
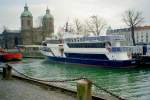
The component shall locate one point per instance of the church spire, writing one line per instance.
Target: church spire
(26, 7)
(47, 11)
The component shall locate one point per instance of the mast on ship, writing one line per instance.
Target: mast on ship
(66, 27)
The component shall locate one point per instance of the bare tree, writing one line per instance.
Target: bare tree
(60, 31)
(132, 18)
(78, 27)
(96, 24)
(85, 29)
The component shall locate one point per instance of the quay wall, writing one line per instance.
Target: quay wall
(54, 87)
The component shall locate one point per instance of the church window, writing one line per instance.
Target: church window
(28, 22)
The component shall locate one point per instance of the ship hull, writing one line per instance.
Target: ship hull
(97, 63)
(12, 56)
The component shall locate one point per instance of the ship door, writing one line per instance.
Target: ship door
(61, 49)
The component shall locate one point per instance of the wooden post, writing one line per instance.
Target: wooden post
(7, 72)
(84, 90)
(4, 72)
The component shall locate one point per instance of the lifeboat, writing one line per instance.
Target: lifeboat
(12, 56)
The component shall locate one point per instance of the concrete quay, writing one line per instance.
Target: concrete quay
(15, 89)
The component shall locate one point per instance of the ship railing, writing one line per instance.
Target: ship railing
(97, 38)
(131, 49)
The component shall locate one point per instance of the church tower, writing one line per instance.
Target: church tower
(26, 19)
(26, 26)
(48, 24)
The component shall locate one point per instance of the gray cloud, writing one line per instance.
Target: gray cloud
(64, 10)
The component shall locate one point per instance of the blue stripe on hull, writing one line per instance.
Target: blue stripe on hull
(86, 56)
(99, 63)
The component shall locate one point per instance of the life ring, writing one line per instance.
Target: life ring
(108, 46)
(129, 55)
(109, 49)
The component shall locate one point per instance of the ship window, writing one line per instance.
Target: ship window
(86, 45)
(90, 56)
(80, 45)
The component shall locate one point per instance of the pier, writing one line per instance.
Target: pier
(26, 87)
(17, 89)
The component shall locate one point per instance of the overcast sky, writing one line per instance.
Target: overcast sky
(64, 10)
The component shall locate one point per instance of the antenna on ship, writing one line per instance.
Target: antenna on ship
(66, 27)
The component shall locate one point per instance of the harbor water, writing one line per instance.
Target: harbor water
(131, 84)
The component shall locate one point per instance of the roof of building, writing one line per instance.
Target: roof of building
(11, 31)
(26, 12)
(48, 15)
(142, 28)
(138, 28)
(119, 30)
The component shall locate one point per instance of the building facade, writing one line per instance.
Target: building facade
(28, 35)
(33, 35)
(48, 24)
(10, 38)
(141, 34)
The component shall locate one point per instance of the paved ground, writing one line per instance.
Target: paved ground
(20, 90)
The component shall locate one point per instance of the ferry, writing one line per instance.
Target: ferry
(30, 51)
(100, 51)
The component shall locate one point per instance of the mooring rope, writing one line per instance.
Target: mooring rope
(67, 80)
(105, 90)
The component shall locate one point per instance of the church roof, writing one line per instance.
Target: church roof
(48, 15)
(26, 12)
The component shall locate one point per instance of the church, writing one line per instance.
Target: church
(28, 35)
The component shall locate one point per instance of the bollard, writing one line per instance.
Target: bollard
(84, 90)
(7, 72)
(4, 72)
